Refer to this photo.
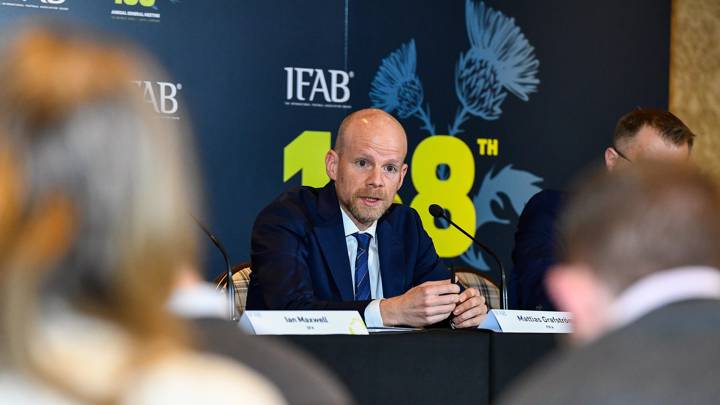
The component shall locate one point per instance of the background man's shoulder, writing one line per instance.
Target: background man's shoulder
(546, 199)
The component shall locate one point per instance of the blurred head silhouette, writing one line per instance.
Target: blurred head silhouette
(96, 192)
(624, 226)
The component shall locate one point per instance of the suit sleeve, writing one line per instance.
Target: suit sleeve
(279, 255)
(428, 266)
(534, 252)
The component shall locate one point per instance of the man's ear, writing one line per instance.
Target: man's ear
(611, 158)
(331, 164)
(403, 172)
(575, 288)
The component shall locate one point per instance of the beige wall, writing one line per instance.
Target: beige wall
(695, 75)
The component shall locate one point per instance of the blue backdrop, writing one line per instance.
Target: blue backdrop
(524, 93)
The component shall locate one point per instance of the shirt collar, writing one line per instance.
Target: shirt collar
(663, 288)
(351, 228)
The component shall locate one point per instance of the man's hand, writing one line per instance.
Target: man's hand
(470, 310)
(428, 303)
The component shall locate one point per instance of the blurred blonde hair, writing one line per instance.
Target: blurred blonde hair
(97, 192)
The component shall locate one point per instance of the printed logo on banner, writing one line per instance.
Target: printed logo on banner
(500, 60)
(443, 169)
(137, 10)
(310, 87)
(163, 96)
(55, 5)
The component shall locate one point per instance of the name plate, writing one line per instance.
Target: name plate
(303, 323)
(514, 321)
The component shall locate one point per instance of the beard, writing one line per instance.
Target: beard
(364, 214)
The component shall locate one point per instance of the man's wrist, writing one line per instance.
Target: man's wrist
(388, 313)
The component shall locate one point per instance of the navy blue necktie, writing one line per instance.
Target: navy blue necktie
(362, 278)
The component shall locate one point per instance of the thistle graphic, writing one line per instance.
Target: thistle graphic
(397, 89)
(500, 59)
(517, 185)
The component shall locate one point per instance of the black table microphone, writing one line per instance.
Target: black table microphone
(438, 212)
(228, 276)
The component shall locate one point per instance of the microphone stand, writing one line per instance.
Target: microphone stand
(438, 212)
(230, 286)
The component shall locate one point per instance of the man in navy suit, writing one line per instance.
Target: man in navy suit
(347, 246)
(642, 134)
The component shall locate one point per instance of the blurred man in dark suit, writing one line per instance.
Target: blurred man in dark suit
(641, 277)
(639, 135)
(347, 246)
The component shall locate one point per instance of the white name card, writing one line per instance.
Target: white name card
(303, 323)
(514, 321)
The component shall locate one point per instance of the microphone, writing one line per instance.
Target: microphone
(438, 212)
(228, 276)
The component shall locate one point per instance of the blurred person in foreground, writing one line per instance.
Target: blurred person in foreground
(301, 379)
(641, 134)
(641, 277)
(94, 223)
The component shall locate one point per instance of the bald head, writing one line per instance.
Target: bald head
(367, 164)
(371, 123)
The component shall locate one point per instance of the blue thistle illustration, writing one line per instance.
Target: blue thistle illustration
(518, 185)
(500, 59)
(397, 89)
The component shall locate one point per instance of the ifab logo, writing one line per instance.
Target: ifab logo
(38, 4)
(136, 10)
(308, 87)
(162, 96)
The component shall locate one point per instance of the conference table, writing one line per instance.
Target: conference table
(433, 366)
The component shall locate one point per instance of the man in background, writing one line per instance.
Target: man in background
(641, 277)
(639, 135)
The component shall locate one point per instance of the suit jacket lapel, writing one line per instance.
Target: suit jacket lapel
(392, 263)
(331, 238)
